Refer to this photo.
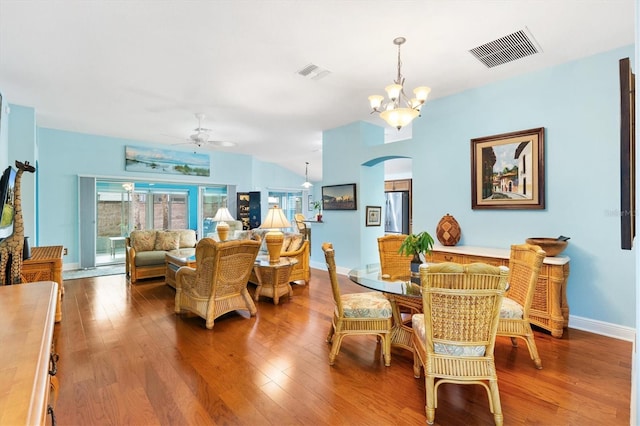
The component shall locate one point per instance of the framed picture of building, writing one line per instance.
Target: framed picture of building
(507, 171)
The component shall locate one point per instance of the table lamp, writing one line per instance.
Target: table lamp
(222, 228)
(274, 221)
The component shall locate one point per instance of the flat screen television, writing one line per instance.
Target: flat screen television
(7, 183)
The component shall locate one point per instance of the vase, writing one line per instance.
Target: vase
(448, 231)
(415, 269)
(26, 250)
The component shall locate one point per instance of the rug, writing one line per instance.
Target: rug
(93, 272)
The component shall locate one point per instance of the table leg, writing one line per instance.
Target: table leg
(400, 333)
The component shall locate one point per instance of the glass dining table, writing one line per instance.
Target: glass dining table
(400, 290)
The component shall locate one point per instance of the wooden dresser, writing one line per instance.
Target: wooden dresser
(549, 309)
(45, 264)
(26, 338)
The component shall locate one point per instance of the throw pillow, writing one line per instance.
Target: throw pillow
(187, 237)
(167, 240)
(143, 240)
(285, 243)
(296, 242)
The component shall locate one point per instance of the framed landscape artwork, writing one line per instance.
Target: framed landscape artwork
(374, 216)
(507, 171)
(339, 197)
(156, 160)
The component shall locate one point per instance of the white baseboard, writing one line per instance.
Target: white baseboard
(604, 328)
(579, 323)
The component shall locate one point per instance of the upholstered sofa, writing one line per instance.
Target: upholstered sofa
(145, 250)
(294, 246)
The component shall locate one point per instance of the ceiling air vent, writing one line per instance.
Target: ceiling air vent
(506, 49)
(313, 72)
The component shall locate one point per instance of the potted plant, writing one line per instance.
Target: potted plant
(317, 205)
(415, 245)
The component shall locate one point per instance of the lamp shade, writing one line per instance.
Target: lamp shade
(222, 215)
(275, 219)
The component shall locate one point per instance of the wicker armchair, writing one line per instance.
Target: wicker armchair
(397, 265)
(218, 283)
(454, 339)
(525, 262)
(357, 313)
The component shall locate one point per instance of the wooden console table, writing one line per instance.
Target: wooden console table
(26, 338)
(549, 309)
(45, 264)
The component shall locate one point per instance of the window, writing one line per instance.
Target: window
(289, 201)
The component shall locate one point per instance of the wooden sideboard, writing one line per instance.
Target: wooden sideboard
(26, 339)
(45, 264)
(549, 309)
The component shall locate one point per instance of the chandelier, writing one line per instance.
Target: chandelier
(306, 183)
(399, 110)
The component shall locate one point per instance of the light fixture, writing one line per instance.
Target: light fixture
(274, 221)
(306, 183)
(222, 228)
(399, 110)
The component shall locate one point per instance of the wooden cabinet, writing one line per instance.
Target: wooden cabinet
(397, 185)
(26, 338)
(549, 309)
(249, 209)
(45, 264)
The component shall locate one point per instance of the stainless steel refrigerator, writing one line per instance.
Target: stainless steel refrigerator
(396, 212)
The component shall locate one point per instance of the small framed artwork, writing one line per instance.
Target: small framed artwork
(373, 215)
(507, 171)
(310, 203)
(339, 197)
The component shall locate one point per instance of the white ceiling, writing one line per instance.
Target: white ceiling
(142, 69)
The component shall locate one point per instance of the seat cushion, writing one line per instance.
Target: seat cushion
(510, 309)
(150, 258)
(143, 240)
(417, 322)
(371, 304)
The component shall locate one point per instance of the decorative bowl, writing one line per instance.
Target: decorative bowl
(551, 246)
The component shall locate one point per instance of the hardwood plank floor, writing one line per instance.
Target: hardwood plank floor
(127, 358)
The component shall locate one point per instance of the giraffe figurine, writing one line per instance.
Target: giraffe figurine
(14, 244)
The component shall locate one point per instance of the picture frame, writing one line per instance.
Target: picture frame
(310, 203)
(507, 171)
(339, 197)
(166, 161)
(373, 216)
(627, 155)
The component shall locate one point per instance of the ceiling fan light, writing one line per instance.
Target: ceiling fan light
(399, 117)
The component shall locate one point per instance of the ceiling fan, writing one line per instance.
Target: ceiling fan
(202, 135)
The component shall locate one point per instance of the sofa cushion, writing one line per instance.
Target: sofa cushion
(187, 237)
(143, 240)
(167, 240)
(295, 243)
(150, 258)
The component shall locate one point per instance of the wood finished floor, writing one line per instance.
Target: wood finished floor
(127, 359)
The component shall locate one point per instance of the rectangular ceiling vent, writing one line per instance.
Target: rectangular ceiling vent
(313, 72)
(506, 49)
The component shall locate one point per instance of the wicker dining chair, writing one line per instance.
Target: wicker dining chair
(357, 313)
(525, 262)
(396, 265)
(218, 283)
(454, 339)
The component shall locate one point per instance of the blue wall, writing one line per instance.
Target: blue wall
(578, 105)
(67, 155)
